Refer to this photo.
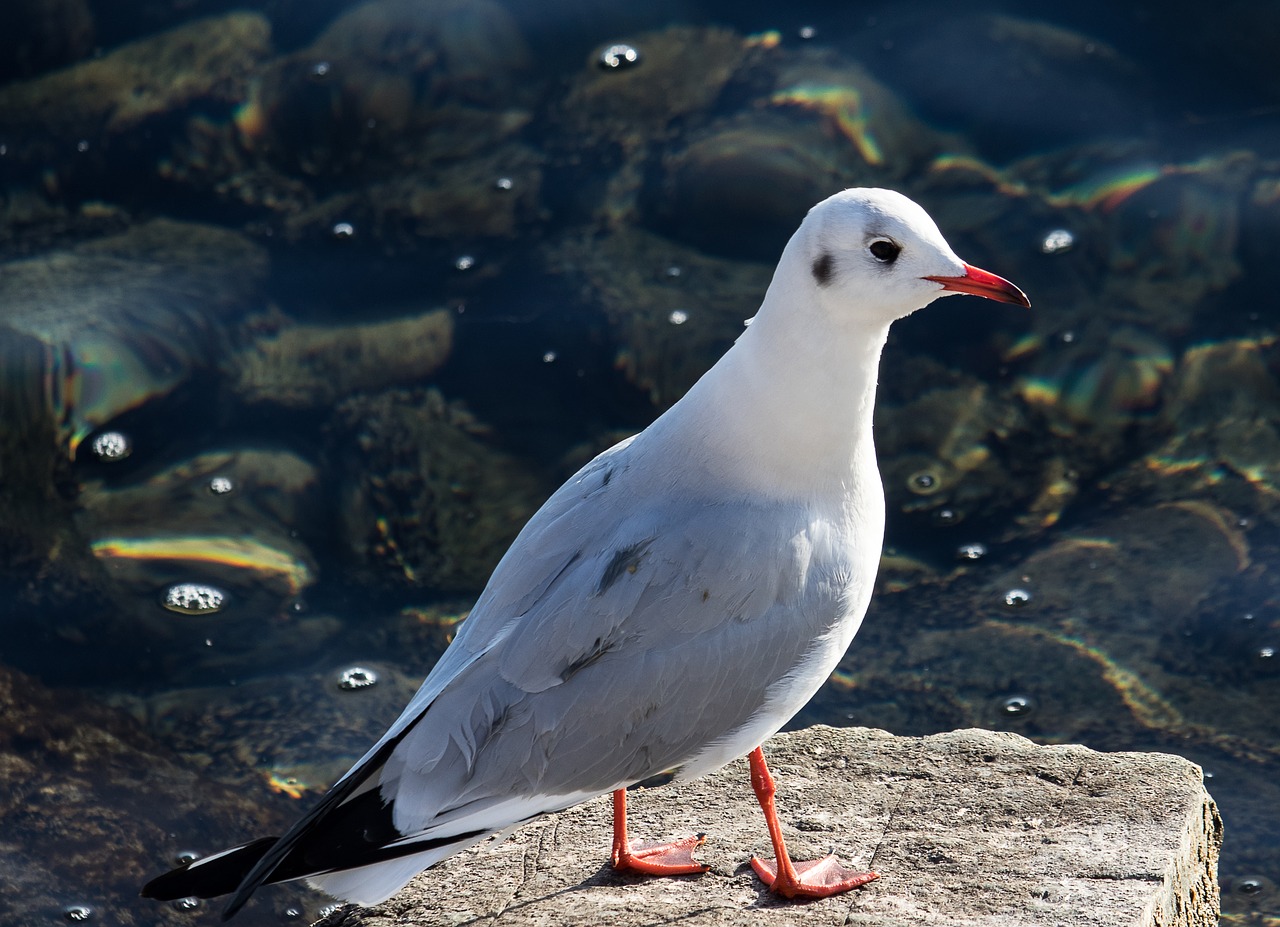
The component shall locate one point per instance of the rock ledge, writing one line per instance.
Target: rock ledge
(965, 828)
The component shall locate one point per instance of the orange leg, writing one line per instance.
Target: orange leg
(675, 858)
(816, 879)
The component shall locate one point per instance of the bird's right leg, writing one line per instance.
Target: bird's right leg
(675, 858)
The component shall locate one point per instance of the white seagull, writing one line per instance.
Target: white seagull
(672, 606)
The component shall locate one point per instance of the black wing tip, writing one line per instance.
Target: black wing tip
(208, 877)
(233, 907)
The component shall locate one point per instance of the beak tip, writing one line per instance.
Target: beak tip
(979, 282)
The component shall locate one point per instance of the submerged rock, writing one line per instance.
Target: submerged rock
(314, 366)
(426, 503)
(126, 317)
(396, 120)
(103, 100)
(1057, 82)
(90, 332)
(673, 308)
(957, 454)
(46, 569)
(380, 78)
(93, 806)
(711, 147)
(254, 732)
(172, 527)
(1219, 437)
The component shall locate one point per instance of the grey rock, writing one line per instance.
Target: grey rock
(966, 828)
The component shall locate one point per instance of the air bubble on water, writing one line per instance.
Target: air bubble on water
(503, 183)
(923, 483)
(1017, 705)
(548, 357)
(1057, 241)
(1017, 598)
(357, 677)
(974, 551)
(343, 230)
(194, 599)
(111, 445)
(221, 485)
(678, 317)
(1251, 885)
(185, 904)
(618, 57)
(77, 913)
(464, 262)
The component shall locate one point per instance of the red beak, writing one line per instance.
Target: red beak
(978, 282)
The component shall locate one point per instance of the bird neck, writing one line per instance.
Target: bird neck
(786, 412)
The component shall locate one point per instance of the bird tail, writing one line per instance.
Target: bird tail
(377, 882)
(209, 876)
(389, 870)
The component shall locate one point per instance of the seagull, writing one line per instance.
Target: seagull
(667, 610)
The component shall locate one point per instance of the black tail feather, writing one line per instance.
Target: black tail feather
(351, 832)
(211, 876)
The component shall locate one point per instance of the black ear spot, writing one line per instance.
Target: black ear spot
(824, 268)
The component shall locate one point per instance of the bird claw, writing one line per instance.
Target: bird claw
(663, 859)
(819, 878)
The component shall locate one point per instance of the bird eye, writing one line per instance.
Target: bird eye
(884, 250)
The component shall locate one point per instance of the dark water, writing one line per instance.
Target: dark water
(358, 286)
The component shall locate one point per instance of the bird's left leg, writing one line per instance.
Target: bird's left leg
(675, 858)
(816, 879)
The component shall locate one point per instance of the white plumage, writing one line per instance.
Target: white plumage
(672, 605)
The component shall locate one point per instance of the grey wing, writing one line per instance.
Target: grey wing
(648, 637)
(551, 541)
(620, 637)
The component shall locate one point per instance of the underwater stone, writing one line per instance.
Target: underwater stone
(314, 366)
(208, 60)
(617, 272)
(427, 503)
(85, 774)
(285, 730)
(168, 529)
(404, 80)
(127, 317)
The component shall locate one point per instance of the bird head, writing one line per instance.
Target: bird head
(875, 255)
